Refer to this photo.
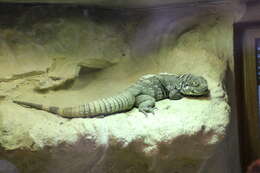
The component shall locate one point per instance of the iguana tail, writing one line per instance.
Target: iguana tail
(121, 102)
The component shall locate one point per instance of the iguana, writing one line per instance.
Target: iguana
(142, 94)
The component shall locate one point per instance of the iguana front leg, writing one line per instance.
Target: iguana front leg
(145, 104)
(175, 95)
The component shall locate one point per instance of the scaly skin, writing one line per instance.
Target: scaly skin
(142, 94)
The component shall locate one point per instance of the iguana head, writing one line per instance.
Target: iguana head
(192, 85)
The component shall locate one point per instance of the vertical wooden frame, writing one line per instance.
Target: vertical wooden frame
(251, 115)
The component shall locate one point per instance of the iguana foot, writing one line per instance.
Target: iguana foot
(146, 110)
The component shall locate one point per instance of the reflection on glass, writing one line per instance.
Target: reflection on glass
(258, 73)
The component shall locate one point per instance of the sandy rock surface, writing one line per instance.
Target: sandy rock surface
(33, 128)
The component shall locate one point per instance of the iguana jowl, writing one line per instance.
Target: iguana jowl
(142, 94)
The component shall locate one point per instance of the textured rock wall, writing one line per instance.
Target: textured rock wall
(36, 43)
(69, 57)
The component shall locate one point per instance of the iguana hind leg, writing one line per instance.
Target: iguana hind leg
(145, 104)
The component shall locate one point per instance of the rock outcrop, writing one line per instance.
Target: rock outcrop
(180, 137)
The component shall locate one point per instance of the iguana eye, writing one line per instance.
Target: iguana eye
(195, 83)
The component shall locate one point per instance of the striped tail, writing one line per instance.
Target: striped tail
(122, 102)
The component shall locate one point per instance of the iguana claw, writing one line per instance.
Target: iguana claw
(147, 110)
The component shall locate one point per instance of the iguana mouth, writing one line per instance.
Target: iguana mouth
(203, 91)
(196, 92)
